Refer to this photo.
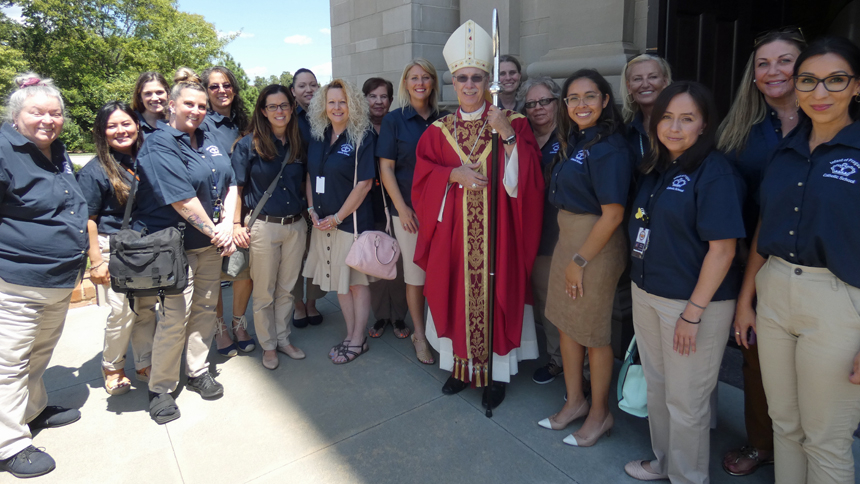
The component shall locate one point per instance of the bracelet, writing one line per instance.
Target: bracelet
(337, 219)
(310, 209)
(237, 223)
(687, 320)
(97, 265)
(696, 305)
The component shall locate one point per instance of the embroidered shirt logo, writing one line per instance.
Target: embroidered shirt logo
(214, 151)
(843, 169)
(554, 148)
(345, 150)
(578, 157)
(678, 183)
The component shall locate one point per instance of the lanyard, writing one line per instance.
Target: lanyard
(653, 197)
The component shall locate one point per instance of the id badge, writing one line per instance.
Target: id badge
(641, 244)
(320, 184)
(216, 212)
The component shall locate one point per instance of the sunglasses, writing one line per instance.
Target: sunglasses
(795, 33)
(217, 87)
(543, 102)
(476, 78)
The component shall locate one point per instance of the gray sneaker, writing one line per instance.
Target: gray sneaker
(546, 374)
(30, 462)
(206, 386)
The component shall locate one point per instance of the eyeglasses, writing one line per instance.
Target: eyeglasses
(587, 99)
(272, 108)
(795, 33)
(837, 83)
(216, 87)
(543, 102)
(476, 78)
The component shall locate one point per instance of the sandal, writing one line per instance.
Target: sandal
(220, 330)
(350, 355)
(378, 328)
(116, 383)
(422, 351)
(336, 348)
(247, 345)
(401, 330)
(163, 408)
(143, 374)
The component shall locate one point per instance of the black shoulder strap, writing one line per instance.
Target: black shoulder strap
(130, 201)
(269, 191)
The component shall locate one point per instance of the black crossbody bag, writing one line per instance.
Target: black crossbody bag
(143, 264)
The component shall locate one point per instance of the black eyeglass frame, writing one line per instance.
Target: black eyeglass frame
(819, 81)
(545, 101)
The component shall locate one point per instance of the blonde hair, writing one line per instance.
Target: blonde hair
(185, 78)
(629, 107)
(403, 97)
(749, 107)
(30, 84)
(359, 118)
(185, 74)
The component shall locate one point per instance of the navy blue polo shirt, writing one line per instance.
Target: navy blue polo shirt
(589, 178)
(304, 124)
(221, 128)
(101, 197)
(171, 171)
(549, 229)
(43, 215)
(147, 129)
(637, 138)
(398, 138)
(763, 138)
(809, 202)
(255, 174)
(337, 164)
(685, 211)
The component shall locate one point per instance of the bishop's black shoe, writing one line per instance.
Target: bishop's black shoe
(497, 394)
(453, 386)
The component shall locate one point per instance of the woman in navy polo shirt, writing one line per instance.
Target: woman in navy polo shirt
(685, 225)
(225, 120)
(589, 183)
(185, 176)
(149, 101)
(43, 242)
(337, 194)
(277, 238)
(303, 87)
(105, 182)
(418, 93)
(644, 78)
(805, 271)
(763, 112)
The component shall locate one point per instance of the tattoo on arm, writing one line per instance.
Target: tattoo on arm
(198, 223)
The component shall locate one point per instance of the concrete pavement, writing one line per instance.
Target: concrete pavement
(379, 419)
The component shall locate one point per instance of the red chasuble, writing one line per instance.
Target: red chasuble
(454, 251)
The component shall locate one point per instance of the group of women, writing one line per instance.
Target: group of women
(742, 227)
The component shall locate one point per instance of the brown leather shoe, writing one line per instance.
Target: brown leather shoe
(745, 461)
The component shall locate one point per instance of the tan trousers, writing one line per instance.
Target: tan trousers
(276, 259)
(123, 325)
(680, 387)
(313, 292)
(31, 322)
(188, 322)
(540, 287)
(808, 335)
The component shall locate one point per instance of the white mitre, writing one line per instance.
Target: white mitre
(469, 46)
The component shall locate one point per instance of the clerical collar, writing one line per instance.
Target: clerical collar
(472, 116)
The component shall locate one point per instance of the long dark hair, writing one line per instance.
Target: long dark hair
(148, 76)
(609, 121)
(237, 107)
(103, 151)
(659, 156)
(842, 47)
(262, 129)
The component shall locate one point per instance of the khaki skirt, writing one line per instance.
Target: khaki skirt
(588, 319)
(326, 263)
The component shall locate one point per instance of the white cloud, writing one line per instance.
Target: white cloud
(325, 31)
(322, 72)
(246, 35)
(253, 72)
(14, 13)
(233, 33)
(298, 39)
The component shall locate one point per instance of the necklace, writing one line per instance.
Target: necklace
(459, 151)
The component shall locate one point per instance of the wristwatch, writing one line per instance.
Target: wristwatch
(510, 139)
(579, 260)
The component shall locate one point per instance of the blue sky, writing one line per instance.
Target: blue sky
(276, 36)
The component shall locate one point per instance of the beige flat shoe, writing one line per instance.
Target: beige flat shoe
(636, 470)
(270, 359)
(292, 351)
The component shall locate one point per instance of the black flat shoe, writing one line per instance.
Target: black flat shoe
(497, 394)
(315, 320)
(53, 416)
(453, 385)
(300, 322)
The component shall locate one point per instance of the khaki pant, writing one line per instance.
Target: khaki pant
(680, 387)
(188, 320)
(276, 259)
(808, 335)
(123, 325)
(540, 286)
(31, 322)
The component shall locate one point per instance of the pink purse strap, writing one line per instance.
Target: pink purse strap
(354, 183)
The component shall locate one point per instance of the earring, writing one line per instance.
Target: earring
(857, 97)
(15, 126)
(796, 103)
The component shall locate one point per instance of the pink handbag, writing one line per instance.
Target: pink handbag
(373, 253)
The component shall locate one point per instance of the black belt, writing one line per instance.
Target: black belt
(280, 220)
